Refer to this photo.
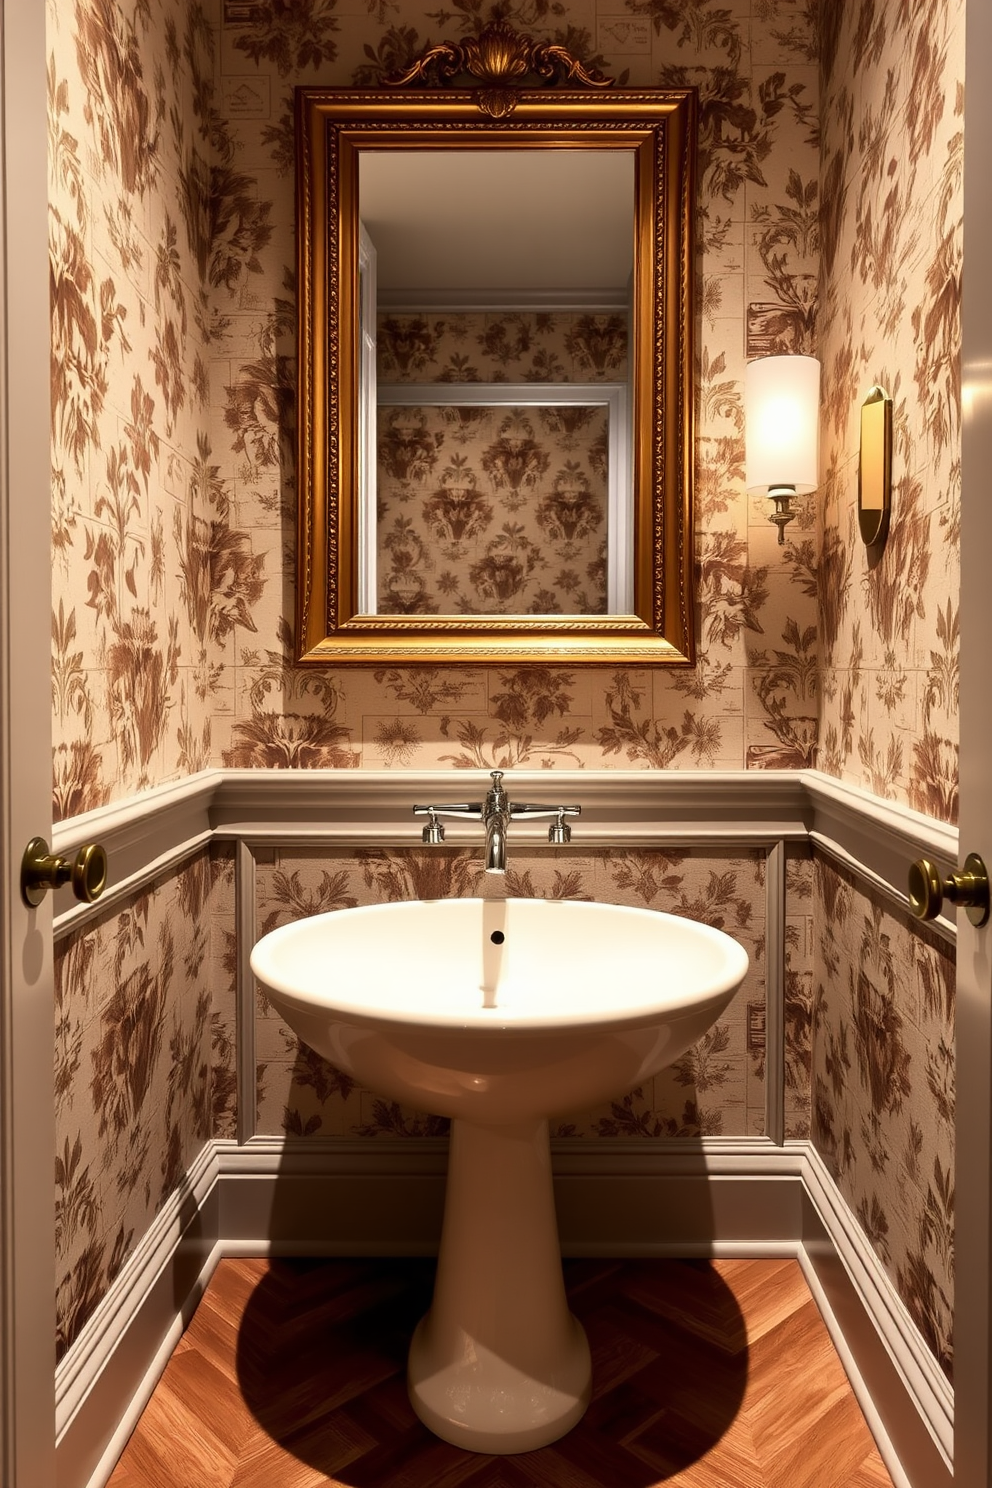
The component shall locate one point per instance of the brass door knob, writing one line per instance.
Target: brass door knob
(969, 887)
(41, 870)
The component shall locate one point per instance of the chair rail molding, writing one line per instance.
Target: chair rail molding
(152, 833)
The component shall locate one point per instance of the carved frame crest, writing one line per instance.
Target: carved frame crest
(501, 59)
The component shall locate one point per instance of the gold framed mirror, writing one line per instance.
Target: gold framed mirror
(495, 407)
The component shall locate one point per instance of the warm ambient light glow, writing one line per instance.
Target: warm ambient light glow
(781, 430)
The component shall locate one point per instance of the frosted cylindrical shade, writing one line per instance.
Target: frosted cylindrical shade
(782, 423)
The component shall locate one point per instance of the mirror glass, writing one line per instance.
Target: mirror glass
(494, 403)
(495, 307)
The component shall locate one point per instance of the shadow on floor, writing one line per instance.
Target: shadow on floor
(321, 1363)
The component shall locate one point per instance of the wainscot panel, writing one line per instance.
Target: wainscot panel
(199, 870)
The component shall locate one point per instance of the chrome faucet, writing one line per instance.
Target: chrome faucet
(495, 814)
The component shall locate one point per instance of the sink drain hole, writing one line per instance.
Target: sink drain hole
(497, 937)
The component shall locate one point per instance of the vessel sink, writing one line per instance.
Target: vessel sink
(500, 1014)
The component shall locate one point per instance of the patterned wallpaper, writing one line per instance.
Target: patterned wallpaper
(716, 1089)
(173, 368)
(883, 1088)
(890, 281)
(800, 960)
(144, 1069)
(890, 292)
(151, 578)
(498, 509)
(518, 346)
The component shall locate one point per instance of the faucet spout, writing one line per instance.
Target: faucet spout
(495, 819)
(495, 847)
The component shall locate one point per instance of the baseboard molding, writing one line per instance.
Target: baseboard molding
(889, 1363)
(720, 1197)
(106, 1378)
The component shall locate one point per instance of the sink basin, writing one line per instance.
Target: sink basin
(499, 1014)
(499, 1010)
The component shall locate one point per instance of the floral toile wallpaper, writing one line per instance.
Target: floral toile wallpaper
(502, 346)
(889, 315)
(800, 961)
(144, 1069)
(883, 1088)
(890, 294)
(150, 577)
(499, 508)
(172, 208)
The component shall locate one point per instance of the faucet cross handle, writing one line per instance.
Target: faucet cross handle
(559, 830)
(433, 832)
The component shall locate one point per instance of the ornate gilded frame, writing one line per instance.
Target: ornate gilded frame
(659, 126)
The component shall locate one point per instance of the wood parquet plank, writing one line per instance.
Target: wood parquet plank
(707, 1374)
(871, 1474)
(680, 1449)
(767, 1293)
(829, 1446)
(704, 1306)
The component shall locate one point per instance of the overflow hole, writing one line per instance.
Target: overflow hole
(497, 937)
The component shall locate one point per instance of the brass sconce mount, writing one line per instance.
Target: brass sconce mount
(875, 468)
(783, 513)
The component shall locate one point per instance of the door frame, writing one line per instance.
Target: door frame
(27, 1128)
(973, 1179)
(27, 1115)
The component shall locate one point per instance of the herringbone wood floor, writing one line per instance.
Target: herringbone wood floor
(706, 1375)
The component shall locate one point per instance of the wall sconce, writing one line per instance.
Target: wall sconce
(781, 431)
(875, 469)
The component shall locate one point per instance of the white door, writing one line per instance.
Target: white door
(27, 1138)
(973, 1186)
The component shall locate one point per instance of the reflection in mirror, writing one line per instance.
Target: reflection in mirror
(525, 508)
(498, 477)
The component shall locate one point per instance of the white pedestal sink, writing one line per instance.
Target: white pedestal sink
(499, 1013)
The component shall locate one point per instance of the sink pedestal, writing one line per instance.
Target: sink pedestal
(499, 1364)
